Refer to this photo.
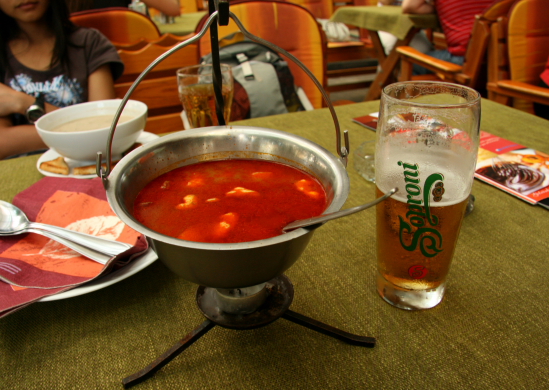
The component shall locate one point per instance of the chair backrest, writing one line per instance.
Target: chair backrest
(520, 46)
(498, 9)
(118, 24)
(158, 90)
(480, 36)
(321, 9)
(287, 25)
(528, 40)
(164, 40)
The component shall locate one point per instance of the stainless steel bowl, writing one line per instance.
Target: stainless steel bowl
(225, 265)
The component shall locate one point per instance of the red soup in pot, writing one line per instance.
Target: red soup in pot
(229, 201)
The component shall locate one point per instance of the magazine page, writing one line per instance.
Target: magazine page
(514, 168)
(368, 121)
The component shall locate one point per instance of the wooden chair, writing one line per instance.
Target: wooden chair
(347, 58)
(475, 58)
(518, 53)
(120, 25)
(346, 61)
(185, 6)
(159, 89)
(287, 25)
(164, 40)
(321, 9)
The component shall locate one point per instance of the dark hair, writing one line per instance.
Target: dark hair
(58, 18)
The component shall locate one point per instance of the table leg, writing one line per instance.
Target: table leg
(378, 46)
(387, 67)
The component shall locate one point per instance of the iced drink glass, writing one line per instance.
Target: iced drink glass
(196, 92)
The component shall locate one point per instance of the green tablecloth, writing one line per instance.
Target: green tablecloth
(183, 24)
(490, 332)
(386, 18)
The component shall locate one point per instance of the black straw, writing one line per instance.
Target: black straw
(216, 67)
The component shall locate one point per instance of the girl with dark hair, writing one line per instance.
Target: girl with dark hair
(46, 62)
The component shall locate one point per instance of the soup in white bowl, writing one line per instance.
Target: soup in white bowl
(80, 131)
(90, 123)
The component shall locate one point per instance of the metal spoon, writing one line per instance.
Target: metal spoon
(337, 214)
(89, 253)
(14, 221)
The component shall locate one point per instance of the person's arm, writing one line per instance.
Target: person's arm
(25, 138)
(18, 139)
(22, 138)
(16, 102)
(418, 7)
(167, 7)
(101, 84)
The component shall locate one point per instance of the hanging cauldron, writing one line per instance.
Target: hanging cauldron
(224, 265)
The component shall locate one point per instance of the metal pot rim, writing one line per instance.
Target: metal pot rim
(112, 183)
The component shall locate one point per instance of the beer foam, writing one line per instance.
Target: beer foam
(456, 167)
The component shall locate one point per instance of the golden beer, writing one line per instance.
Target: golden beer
(411, 269)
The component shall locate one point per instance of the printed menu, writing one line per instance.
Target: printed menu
(514, 168)
(368, 121)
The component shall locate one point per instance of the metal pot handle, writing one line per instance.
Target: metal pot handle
(103, 172)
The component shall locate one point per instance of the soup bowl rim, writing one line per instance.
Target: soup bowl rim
(113, 180)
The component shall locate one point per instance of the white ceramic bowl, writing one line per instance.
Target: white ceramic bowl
(84, 145)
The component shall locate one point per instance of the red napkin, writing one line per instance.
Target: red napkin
(33, 266)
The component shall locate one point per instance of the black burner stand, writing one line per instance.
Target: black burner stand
(279, 298)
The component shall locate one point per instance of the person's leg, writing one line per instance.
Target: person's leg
(441, 55)
(542, 110)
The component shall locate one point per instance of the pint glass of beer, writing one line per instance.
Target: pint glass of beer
(196, 92)
(427, 144)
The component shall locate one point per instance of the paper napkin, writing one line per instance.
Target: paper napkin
(33, 266)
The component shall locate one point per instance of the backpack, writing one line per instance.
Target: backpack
(263, 82)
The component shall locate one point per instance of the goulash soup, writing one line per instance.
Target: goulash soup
(229, 201)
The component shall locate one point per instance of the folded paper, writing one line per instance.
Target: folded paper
(33, 266)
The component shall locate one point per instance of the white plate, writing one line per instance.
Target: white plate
(132, 268)
(52, 155)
